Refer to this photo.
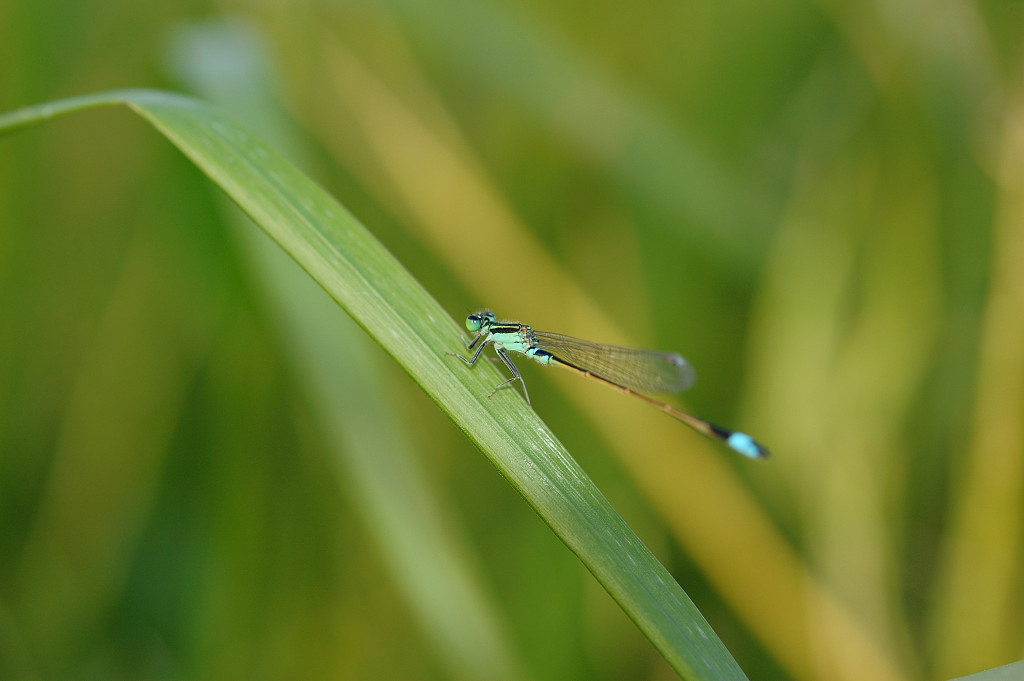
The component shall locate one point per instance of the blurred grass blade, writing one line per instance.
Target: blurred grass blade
(654, 155)
(1010, 672)
(401, 316)
(378, 453)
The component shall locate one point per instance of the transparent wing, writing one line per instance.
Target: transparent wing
(643, 370)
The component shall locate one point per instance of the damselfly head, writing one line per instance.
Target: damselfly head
(480, 320)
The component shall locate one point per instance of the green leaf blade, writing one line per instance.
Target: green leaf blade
(385, 300)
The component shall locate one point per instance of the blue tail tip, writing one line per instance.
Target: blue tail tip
(747, 446)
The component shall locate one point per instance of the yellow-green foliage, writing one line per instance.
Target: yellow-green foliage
(208, 471)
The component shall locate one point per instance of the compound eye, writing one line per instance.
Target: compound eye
(473, 322)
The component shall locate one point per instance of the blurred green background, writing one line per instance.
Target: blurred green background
(208, 472)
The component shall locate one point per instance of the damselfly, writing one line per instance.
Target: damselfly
(633, 372)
